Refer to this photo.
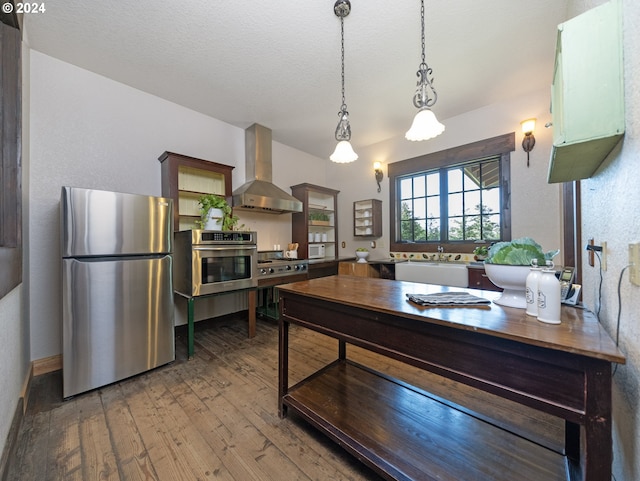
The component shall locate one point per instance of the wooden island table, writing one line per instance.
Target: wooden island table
(405, 433)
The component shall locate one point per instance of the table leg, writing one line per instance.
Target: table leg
(190, 334)
(597, 453)
(342, 350)
(283, 365)
(252, 312)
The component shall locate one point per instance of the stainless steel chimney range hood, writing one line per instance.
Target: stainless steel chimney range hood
(259, 194)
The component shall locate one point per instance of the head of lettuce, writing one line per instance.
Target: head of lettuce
(519, 252)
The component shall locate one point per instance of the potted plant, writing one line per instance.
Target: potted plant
(318, 218)
(508, 264)
(215, 213)
(480, 253)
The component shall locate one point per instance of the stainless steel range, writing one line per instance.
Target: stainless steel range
(273, 270)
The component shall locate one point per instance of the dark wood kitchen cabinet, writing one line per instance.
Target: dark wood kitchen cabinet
(478, 279)
(317, 224)
(185, 179)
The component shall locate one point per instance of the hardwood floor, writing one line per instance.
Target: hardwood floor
(215, 417)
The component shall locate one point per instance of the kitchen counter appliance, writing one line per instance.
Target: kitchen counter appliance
(275, 269)
(211, 262)
(117, 293)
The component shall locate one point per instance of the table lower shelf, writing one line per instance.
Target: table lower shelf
(404, 433)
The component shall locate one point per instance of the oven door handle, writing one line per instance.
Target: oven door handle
(224, 248)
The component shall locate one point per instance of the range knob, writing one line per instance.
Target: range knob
(263, 271)
(271, 271)
(288, 267)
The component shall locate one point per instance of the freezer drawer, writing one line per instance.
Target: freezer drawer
(118, 319)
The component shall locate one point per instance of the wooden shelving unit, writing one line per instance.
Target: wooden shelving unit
(185, 179)
(319, 218)
(367, 218)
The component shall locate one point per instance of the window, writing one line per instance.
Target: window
(457, 196)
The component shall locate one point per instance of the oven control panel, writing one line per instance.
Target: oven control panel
(273, 270)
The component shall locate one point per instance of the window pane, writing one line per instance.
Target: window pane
(406, 211)
(455, 205)
(472, 226)
(433, 206)
(472, 202)
(455, 228)
(405, 189)
(455, 180)
(419, 186)
(490, 174)
(433, 232)
(433, 184)
(420, 208)
(420, 230)
(491, 227)
(491, 200)
(406, 231)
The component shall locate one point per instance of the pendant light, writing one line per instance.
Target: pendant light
(425, 125)
(344, 152)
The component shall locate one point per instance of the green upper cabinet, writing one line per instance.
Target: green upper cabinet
(587, 95)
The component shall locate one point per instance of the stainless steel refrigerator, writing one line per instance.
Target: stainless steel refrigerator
(118, 312)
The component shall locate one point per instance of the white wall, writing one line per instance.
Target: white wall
(89, 131)
(611, 213)
(536, 210)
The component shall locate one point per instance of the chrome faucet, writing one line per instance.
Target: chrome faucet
(441, 256)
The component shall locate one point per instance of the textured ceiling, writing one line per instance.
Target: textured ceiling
(278, 63)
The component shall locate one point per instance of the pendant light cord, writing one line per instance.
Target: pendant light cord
(343, 108)
(424, 62)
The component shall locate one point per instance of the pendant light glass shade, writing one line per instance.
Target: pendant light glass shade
(425, 126)
(344, 153)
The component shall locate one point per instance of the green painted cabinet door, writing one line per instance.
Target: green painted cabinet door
(587, 95)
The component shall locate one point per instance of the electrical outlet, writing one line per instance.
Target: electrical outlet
(634, 260)
(603, 255)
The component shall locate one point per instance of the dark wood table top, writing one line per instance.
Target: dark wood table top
(578, 333)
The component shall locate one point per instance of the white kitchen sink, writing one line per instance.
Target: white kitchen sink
(442, 273)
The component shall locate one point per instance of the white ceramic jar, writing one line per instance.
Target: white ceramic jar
(532, 288)
(549, 301)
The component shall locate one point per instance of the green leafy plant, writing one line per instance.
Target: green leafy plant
(321, 216)
(518, 252)
(362, 249)
(212, 201)
(481, 251)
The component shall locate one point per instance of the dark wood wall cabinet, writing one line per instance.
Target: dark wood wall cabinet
(367, 218)
(185, 179)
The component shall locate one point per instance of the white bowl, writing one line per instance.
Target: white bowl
(362, 256)
(513, 280)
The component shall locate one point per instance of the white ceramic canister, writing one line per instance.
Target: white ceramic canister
(532, 288)
(318, 237)
(549, 301)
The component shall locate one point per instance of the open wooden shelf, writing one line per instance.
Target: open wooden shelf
(408, 434)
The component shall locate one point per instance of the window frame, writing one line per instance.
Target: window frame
(500, 146)
(10, 154)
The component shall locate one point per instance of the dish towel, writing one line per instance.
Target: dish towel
(448, 299)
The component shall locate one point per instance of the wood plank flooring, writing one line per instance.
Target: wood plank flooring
(215, 417)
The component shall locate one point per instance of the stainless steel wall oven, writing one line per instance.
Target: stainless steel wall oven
(211, 262)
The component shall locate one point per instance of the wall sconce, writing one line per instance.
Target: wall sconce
(528, 126)
(377, 168)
